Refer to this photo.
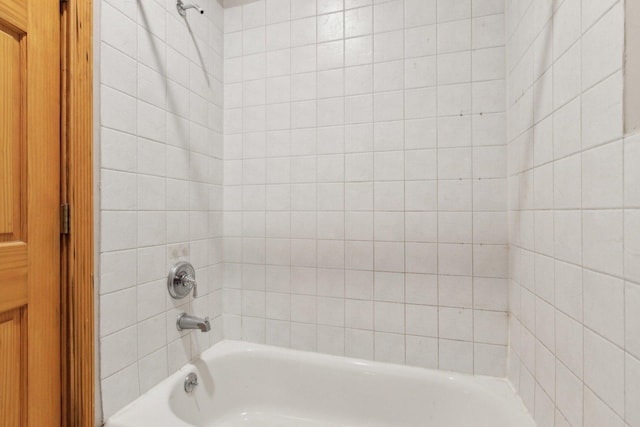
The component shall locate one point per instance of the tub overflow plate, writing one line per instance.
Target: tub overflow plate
(190, 382)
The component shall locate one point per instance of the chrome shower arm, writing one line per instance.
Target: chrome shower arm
(182, 8)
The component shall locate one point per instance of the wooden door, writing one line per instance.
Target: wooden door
(29, 213)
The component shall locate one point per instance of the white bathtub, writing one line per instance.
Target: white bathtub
(243, 384)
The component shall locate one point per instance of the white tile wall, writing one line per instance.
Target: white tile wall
(161, 192)
(372, 205)
(572, 215)
(365, 179)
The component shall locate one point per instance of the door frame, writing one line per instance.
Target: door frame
(77, 258)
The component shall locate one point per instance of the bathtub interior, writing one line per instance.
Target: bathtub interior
(254, 385)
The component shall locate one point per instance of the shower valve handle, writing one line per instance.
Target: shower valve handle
(181, 280)
(189, 282)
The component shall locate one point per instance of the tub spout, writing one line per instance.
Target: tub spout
(186, 321)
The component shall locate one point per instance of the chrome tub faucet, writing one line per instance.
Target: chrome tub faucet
(187, 321)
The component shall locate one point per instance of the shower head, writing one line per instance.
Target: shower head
(182, 8)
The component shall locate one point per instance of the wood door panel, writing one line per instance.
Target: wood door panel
(13, 275)
(12, 120)
(29, 213)
(12, 380)
(14, 13)
(13, 252)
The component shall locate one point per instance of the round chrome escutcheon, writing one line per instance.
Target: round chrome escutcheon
(181, 280)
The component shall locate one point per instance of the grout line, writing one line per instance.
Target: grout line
(242, 190)
(437, 124)
(373, 182)
(316, 184)
(264, 206)
(404, 183)
(344, 184)
(473, 180)
(553, 231)
(624, 293)
(582, 233)
(290, 138)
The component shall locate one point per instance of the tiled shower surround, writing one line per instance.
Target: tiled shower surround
(574, 192)
(383, 179)
(365, 179)
(160, 187)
